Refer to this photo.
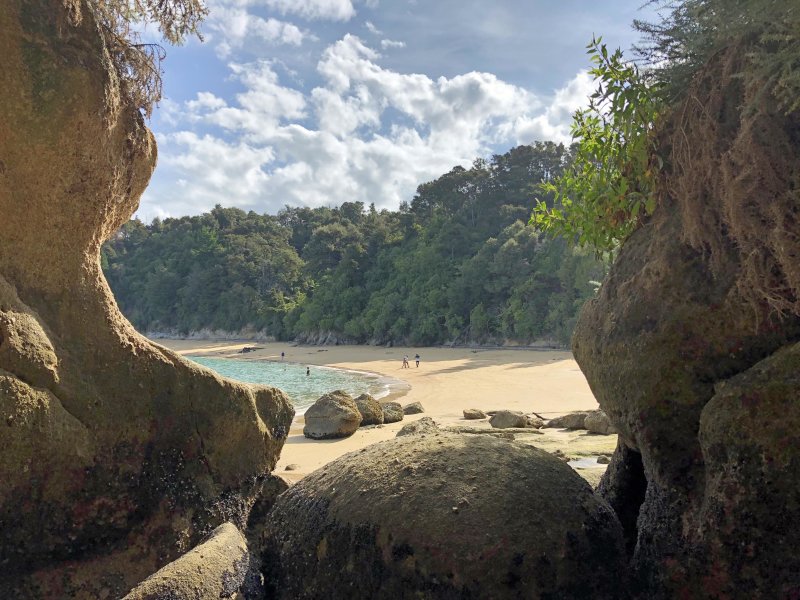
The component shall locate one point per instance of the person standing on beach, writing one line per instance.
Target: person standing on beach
(405, 361)
(416, 358)
(282, 355)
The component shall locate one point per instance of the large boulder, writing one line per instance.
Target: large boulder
(751, 506)
(504, 419)
(443, 516)
(126, 455)
(598, 422)
(689, 304)
(392, 412)
(333, 415)
(414, 408)
(370, 409)
(573, 420)
(473, 414)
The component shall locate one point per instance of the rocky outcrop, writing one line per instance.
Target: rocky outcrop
(333, 415)
(370, 409)
(503, 419)
(392, 412)
(125, 454)
(472, 414)
(423, 425)
(454, 517)
(214, 569)
(685, 353)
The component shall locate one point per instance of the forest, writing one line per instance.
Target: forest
(458, 264)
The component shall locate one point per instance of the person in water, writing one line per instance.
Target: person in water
(308, 371)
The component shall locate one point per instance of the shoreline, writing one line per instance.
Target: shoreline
(447, 381)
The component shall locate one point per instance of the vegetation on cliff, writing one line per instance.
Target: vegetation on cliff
(457, 263)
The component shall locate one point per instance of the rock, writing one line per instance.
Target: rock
(473, 414)
(410, 516)
(748, 436)
(573, 420)
(392, 412)
(414, 408)
(214, 569)
(534, 422)
(423, 425)
(687, 307)
(507, 418)
(370, 409)
(291, 467)
(598, 422)
(126, 454)
(333, 415)
(603, 460)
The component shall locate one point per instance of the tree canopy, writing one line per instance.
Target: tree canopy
(458, 263)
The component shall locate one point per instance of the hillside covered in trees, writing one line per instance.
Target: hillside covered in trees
(458, 264)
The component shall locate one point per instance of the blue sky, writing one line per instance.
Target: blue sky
(318, 102)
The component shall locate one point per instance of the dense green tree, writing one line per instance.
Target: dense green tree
(456, 264)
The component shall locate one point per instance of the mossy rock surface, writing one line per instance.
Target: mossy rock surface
(443, 516)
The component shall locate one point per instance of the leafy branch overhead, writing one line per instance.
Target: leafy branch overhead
(609, 187)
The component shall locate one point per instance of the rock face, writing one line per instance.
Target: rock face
(126, 454)
(686, 356)
(471, 414)
(414, 408)
(503, 419)
(455, 517)
(370, 409)
(423, 425)
(392, 412)
(334, 415)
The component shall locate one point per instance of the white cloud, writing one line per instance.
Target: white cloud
(372, 29)
(333, 10)
(233, 27)
(392, 44)
(365, 133)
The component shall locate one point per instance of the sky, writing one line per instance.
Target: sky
(318, 102)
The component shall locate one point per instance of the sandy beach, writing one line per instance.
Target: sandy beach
(447, 381)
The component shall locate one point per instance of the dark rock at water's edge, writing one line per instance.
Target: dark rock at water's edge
(685, 354)
(117, 455)
(333, 415)
(443, 516)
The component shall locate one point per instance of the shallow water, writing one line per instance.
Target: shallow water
(302, 389)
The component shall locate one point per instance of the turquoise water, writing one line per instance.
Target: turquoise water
(303, 390)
